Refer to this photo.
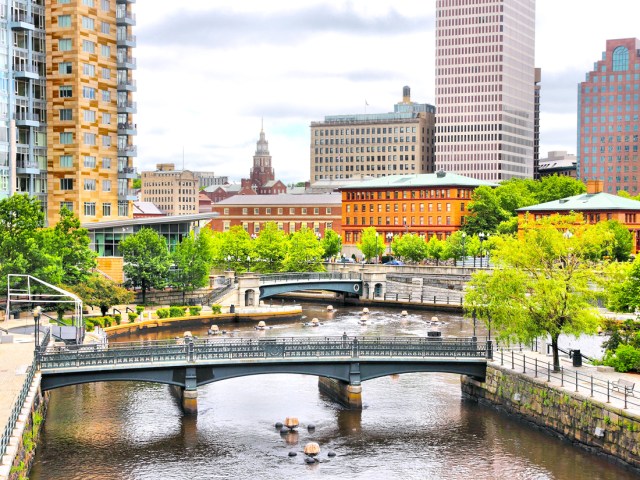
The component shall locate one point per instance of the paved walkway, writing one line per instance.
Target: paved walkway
(585, 373)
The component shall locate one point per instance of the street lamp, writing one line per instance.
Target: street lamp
(464, 236)
(376, 248)
(36, 316)
(389, 239)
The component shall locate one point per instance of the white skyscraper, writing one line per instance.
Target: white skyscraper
(485, 79)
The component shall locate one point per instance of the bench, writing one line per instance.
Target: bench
(622, 385)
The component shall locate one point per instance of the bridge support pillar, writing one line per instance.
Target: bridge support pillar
(347, 394)
(189, 401)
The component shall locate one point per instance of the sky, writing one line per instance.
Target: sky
(211, 72)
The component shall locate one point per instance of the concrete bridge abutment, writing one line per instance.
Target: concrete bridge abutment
(347, 394)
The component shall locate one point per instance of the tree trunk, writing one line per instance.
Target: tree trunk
(143, 286)
(103, 310)
(184, 296)
(554, 349)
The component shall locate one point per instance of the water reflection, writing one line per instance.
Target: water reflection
(412, 426)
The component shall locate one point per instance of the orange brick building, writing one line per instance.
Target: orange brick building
(595, 206)
(427, 205)
(291, 212)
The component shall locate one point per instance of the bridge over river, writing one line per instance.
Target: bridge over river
(342, 363)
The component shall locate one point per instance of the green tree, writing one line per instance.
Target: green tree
(331, 243)
(98, 291)
(68, 241)
(621, 283)
(236, 249)
(435, 249)
(270, 249)
(192, 265)
(146, 260)
(409, 247)
(137, 183)
(485, 210)
(372, 244)
(542, 285)
(455, 246)
(516, 193)
(24, 245)
(620, 244)
(304, 253)
(555, 187)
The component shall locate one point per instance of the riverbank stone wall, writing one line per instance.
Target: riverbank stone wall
(594, 425)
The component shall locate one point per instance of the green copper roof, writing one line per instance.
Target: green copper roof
(585, 201)
(440, 179)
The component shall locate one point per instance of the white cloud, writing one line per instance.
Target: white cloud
(208, 71)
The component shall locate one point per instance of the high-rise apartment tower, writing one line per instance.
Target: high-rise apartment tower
(89, 108)
(608, 118)
(485, 77)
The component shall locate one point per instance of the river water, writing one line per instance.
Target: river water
(414, 426)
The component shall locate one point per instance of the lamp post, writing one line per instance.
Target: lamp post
(36, 317)
(464, 236)
(389, 239)
(376, 248)
(481, 237)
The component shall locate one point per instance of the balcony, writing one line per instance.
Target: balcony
(125, 18)
(127, 172)
(26, 167)
(127, 85)
(127, 129)
(127, 194)
(128, 151)
(127, 41)
(21, 21)
(126, 63)
(25, 72)
(127, 107)
(26, 119)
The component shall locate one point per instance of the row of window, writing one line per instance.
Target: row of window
(67, 138)
(396, 207)
(90, 185)
(89, 161)
(397, 221)
(363, 131)
(408, 194)
(89, 208)
(291, 227)
(280, 211)
(105, 5)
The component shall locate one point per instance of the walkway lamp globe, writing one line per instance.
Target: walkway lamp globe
(36, 317)
(389, 240)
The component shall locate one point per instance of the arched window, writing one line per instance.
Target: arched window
(620, 59)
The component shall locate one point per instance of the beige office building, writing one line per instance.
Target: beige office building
(485, 81)
(174, 192)
(374, 145)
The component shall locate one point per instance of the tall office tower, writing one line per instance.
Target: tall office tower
(484, 79)
(608, 109)
(374, 144)
(536, 125)
(89, 108)
(23, 145)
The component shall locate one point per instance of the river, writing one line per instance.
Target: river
(414, 426)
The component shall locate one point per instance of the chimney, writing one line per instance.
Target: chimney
(595, 186)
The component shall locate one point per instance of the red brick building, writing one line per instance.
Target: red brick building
(291, 212)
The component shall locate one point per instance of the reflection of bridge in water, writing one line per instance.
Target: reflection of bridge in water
(342, 363)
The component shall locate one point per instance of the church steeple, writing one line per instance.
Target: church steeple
(262, 172)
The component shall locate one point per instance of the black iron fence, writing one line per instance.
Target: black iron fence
(213, 349)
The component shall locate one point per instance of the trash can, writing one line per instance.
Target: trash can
(16, 314)
(577, 358)
(232, 308)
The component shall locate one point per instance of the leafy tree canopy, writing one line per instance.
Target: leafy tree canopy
(270, 249)
(409, 247)
(371, 244)
(98, 291)
(331, 243)
(304, 253)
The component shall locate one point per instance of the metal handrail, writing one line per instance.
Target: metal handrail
(425, 299)
(580, 381)
(17, 408)
(299, 277)
(189, 350)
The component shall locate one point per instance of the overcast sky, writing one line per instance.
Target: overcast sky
(209, 70)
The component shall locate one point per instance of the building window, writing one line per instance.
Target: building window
(268, 211)
(620, 59)
(106, 118)
(66, 138)
(89, 161)
(105, 28)
(226, 211)
(66, 161)
(292, 211)
(89, 138)
(255, 211)
(328, 211)
(90, 209)
(88, 92)
(88, 23)
(106, 141)
(88, 69)
(123, 209)
(280, 211)
(105, 5)
(88, 3)
(66, 114)
(64, 20)
(105, 50)
(106, 95)
(304, 211)
(106, 185)
(89, 116)
(90, 184)
(106, 209)
(64, 44)
(67, 205)
(66, 184)
(65, 68)
(245, 211)
(316, 211)
(65, 91)
(106, 73)
(88, 46)
(106, 163)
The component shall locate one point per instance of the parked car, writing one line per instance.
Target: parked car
(394, 262)
(346, 260)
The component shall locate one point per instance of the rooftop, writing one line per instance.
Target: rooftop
(149, 221)
(440, 179)
(146, 208)
(585, 201)
(283, 199)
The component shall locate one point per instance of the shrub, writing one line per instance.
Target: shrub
(195, 311)
(177, 311)
(118, 318)
(624, 359)
(133, 316)
(108, 321)
(216, 309)
(139, 309)
(162, 312)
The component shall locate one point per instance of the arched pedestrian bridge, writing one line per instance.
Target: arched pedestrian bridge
(348, 282)
(341, 362)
